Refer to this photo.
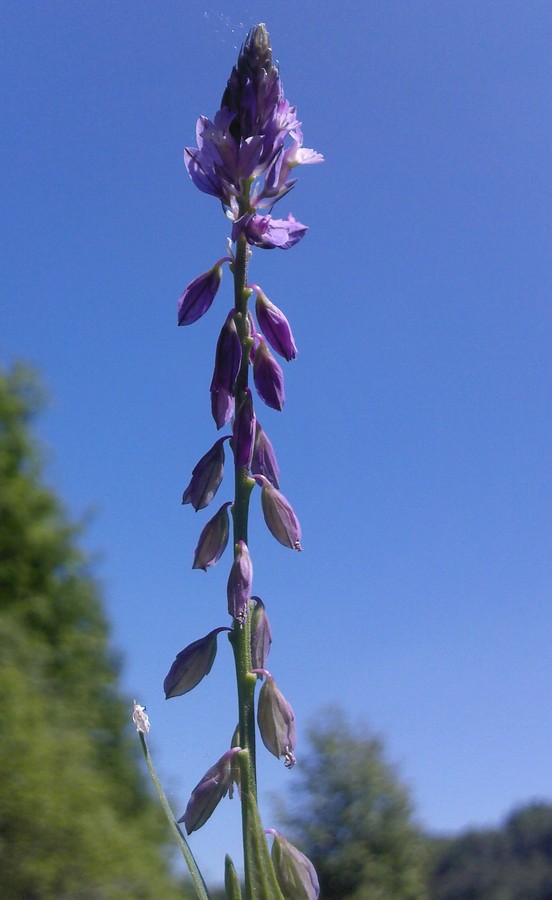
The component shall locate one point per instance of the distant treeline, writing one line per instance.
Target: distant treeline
(77, 819)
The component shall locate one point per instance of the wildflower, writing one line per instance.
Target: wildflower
(276, 720)
(192, 665)
(200, 293)
(239, 583)
(261, 635)
(268, 233)
(279, 516)
(264, 459)
(295, 873)
(213, 540)
(206, 476)
(227, 355)
(268, 377)
(274, 326)
(208, 793)
(243, 436)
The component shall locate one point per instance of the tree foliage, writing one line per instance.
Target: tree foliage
(513, 862)
(76, 817)
(353, 818)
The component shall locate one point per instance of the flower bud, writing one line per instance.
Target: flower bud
(279, 516)
(206, 477)
(261, 636)
(239, 583)
(209, 792)
(243, 436)
(294, 871)
(276, 722)
(222, 406)
(213, 540)
(227, 356)
(268, 377)
(199, 295)
(192, 665)
(264, 460)
(274, 326)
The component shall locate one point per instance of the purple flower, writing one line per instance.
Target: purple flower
(268, 233)
(268, 377)
(243, 436)
(276, 721)
(213, 540)
(276, 181)
(279, 516)
(261, 635)
(208, 793)
(249, 130)
(200, 293)
(294, 871)
(239, 583)
(206, 476)
(191, 665)
(264, 460)
(274, 326)
(227, 356)
(222, 406)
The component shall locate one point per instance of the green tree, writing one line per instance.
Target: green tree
(353, 818)
(513, 862)
(76, 816)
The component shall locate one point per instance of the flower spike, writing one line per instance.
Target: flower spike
(246, 156)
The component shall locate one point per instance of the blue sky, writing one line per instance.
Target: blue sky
(416, 438)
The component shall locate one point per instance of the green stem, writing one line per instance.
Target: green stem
(260, 880)
(197, 877)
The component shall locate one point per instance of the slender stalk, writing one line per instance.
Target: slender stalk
(199, 884)
(260, 880)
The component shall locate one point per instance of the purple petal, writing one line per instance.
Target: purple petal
(208, 793)
(222, 406)
(279, 516)
(268, 233)
(239, 583)
(294, 871)
(268, 377)
(213, 540)
(243, 436)
(227, 357)
(276, 722)
(274, 326)
(264, 460)
(192, 665)
(261, 635)
(199, 295)
(206, 476)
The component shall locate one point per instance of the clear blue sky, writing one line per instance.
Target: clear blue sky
(416, 439)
